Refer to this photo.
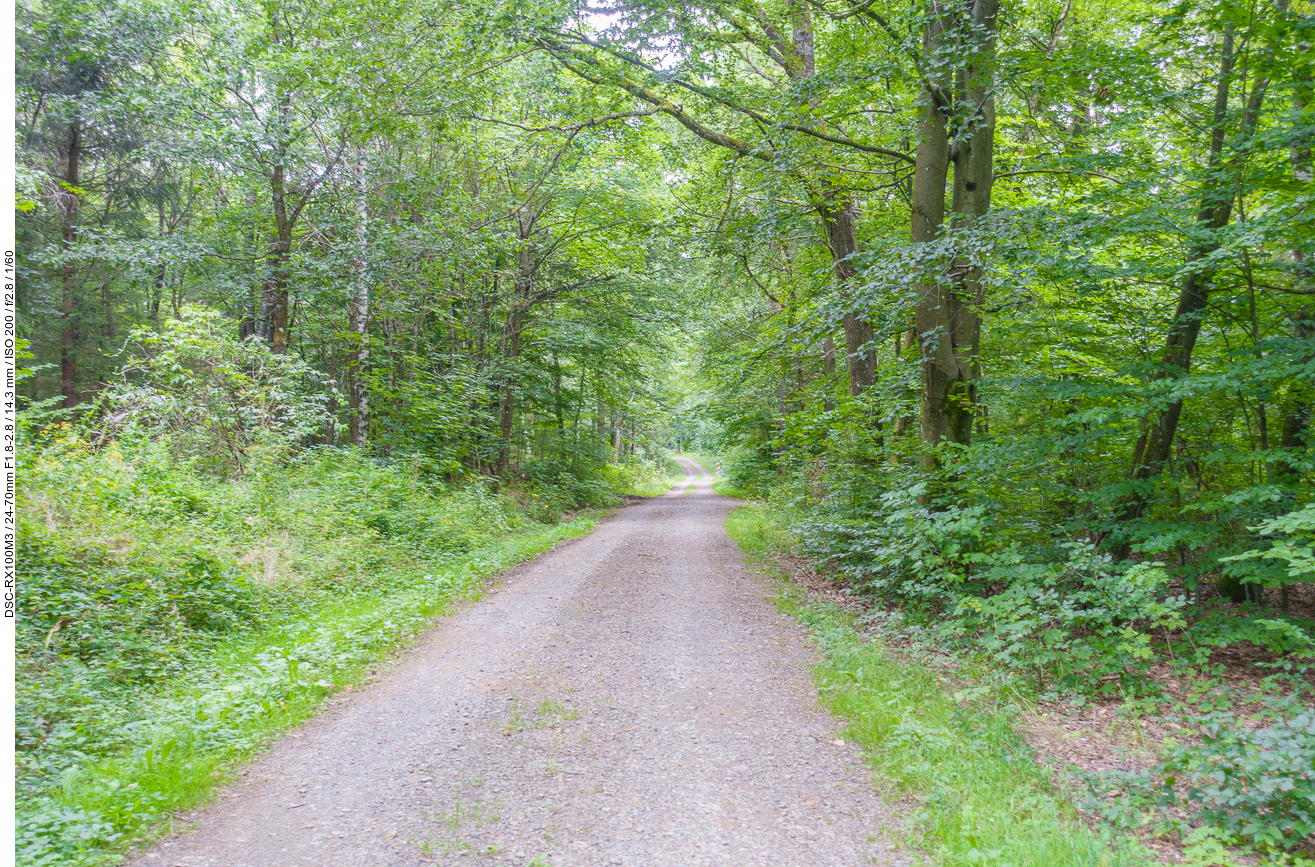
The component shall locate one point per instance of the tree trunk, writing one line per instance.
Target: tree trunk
(68, 335)
(250, 326)
(274, 303)
(842, 240)
(948, 323)
(358, 321)
(838, 222)
(932, 321)
(1154, 446)
(828, 371)
(512, 341)
(507, 393)
(161, 270)
(559, 408)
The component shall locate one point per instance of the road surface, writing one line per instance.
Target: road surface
(631, 697)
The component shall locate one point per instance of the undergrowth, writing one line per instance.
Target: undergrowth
(976, 795)
(642, 479)
(171, 622)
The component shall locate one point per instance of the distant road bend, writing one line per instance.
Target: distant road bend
(631, 697)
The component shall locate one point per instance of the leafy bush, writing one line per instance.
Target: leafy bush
(555, 484)
(1256, 785)
(749, 469)
(641, 478)
(1064, 614)
(1292, 544)
(1238, 785)
(170, 618)
(211, 396)
(900, 547)
(1084, 623)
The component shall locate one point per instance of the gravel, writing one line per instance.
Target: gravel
(631, 697)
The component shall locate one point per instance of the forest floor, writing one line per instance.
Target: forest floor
(632, 697)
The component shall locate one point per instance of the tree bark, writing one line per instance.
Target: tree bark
(842, 240)
(828, 371)
(358, 319)
(932, 321)
(1154, 446)
(839, 221)
(250, 326)
(68, 335)
(524, 285)
(274, 303)
(948, 322)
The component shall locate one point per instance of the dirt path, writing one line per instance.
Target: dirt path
(630, 698)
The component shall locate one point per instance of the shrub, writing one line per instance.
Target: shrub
(1064, 613)
(211, 396)
(1256, 785)
(749, 469)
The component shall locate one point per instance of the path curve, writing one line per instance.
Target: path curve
(631, 697)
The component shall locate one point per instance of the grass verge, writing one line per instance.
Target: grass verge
(974, 794)
(189, 737)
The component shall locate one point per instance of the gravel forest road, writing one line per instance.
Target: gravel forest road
(631, 697)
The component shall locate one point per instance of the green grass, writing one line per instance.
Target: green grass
(194, 735)
(977, 796)
(726, 489)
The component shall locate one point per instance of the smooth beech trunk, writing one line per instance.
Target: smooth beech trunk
(947, 317)
(839, 223)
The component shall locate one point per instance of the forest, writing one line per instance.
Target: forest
(1000, 316)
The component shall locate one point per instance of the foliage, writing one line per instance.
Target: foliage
(170, 621)
(746, 469)
(978, 797)
(1254, 784)
(642, 480)
(1243, 781)
(512, 256)
(1075, 618)
(213, 397)
(1294, 546)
